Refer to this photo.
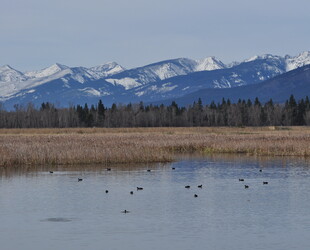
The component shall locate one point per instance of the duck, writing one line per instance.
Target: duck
(125, 211)
(51, 172)
(107, 191)
(199, 186)
(173, 168)
(139, 188)
(108, 169)
(149, 170)
(187, 186)
(265, 182)
(195, 195)
(260, 170)
(80, 179)
(246, 186)
(131, 192)
(241, 179)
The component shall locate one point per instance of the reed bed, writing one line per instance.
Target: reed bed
(144, 145)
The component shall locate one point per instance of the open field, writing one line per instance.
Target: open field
(134, 145)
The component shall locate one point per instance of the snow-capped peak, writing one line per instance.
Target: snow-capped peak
(305, 54)
(58, 66)
(5, 67)
(209, 63)
(262, 57)
(107, 69)
(153, 72)
(8, 74)
(298, 61)
(55, 68)
(164, 70)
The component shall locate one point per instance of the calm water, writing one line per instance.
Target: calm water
(39, 210)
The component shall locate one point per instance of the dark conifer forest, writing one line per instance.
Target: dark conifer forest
(242, 113)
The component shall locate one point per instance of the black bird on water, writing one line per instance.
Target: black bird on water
(131, 192)
(265, 182)
(241, 179)
(199, 186)
(260, 170)
(173, 168)
(187, 186)
(125, 211)
(80, 179)
(108, 169)
(107, 191)
(246, 186)
(51, 172)
(139, 188)
(195, 195)
(149, 170)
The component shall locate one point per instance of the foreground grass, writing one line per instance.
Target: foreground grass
(144, 145)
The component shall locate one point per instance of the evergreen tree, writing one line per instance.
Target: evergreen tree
(100, 114)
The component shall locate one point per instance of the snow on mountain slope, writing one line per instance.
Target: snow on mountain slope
(47, 71)
(153, 72)
(298, 61)
(290, 62)
(96, 72)
(8, 74)
(179, 67)
(13, 87)
(126, 82)
(263, 57)
(164, 70)
(13, 81)
(82, 74)
(209, 63)
(279, 89)
(166, 79)
(107, 69)
(246, 73)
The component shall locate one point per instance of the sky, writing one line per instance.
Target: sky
(35, 34)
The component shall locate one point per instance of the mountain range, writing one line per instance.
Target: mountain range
(279, 89)
(180, 79)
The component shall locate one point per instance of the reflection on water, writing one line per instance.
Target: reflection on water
(6, 172)
(43, 210)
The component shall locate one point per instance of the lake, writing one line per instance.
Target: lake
(43, 210)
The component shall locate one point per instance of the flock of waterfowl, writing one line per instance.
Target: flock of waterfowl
(247, 186)
(173, 168)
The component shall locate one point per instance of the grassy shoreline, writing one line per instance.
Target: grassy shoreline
(144, 145)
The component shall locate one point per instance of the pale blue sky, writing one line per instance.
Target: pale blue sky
(37, 33)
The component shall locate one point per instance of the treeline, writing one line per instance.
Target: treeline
(242, 113)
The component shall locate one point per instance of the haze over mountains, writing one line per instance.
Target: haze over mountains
(159, 82)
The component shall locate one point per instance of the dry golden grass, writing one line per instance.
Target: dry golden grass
(134, 145)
